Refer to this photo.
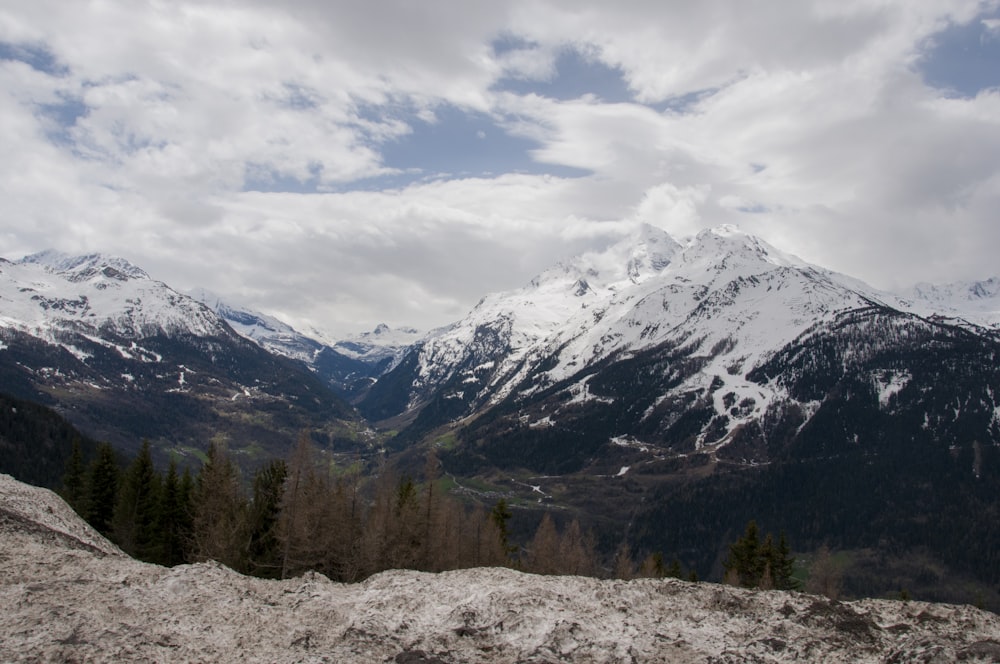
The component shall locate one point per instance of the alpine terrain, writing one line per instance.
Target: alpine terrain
(348, 366)
(126, 358)
(671, 391)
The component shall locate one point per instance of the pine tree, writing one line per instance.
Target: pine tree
(264, 554)
(136, 509)
(755, 564)
(782, 565)
(674, 571)
(173, 521)
(500, 515)
(102, 489)
(74, 479)
(186, 513)
(744, 563)
(404, 543)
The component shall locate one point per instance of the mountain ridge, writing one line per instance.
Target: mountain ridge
(125, 357)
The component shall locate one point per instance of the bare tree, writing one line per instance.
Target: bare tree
(545, 550)
(825, 574)
(219, 523)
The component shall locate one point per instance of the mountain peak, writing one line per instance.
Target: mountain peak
(642, 253)
(721, 242)
(86, 266)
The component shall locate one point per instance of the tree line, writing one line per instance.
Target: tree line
(297, 515)
(293, 516)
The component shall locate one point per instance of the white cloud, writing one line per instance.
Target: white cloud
(813, 128)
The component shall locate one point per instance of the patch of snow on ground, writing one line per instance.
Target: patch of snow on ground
(889, 383)
(66, 594)
(581, 393)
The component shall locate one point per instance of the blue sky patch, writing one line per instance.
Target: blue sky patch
(511, 42)
(36, 56)
(463, 143)
(964, 59)
(576, 75)
(61, 117)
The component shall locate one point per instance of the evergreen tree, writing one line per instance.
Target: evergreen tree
(755, 564)
(173, 523)
(136, 510)
(102, 489)
(782, 565)
(674, 571)
(404, 541)
(74, 479)
(264, 555)
(744, 566)
(500, 515)
(186, 513)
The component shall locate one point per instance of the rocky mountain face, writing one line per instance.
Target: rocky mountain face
(125, 357)
(69, 595)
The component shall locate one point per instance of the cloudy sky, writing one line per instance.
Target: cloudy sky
(340, 164)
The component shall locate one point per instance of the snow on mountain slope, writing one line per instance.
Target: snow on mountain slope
(375, 346)
(723, 293)
(67, 595)
(48, 292)
(372, 348)
(977, 302)
(267, 331)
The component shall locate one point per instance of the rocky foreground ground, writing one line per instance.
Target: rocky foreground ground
(67, 594)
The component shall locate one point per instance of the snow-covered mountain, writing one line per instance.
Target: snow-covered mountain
(381, 344)
(50, 292)
(349, 366)
(722, 295)
(67, 594)
(269, 332)
(977, 302)
(126, 357)
(686, 387)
